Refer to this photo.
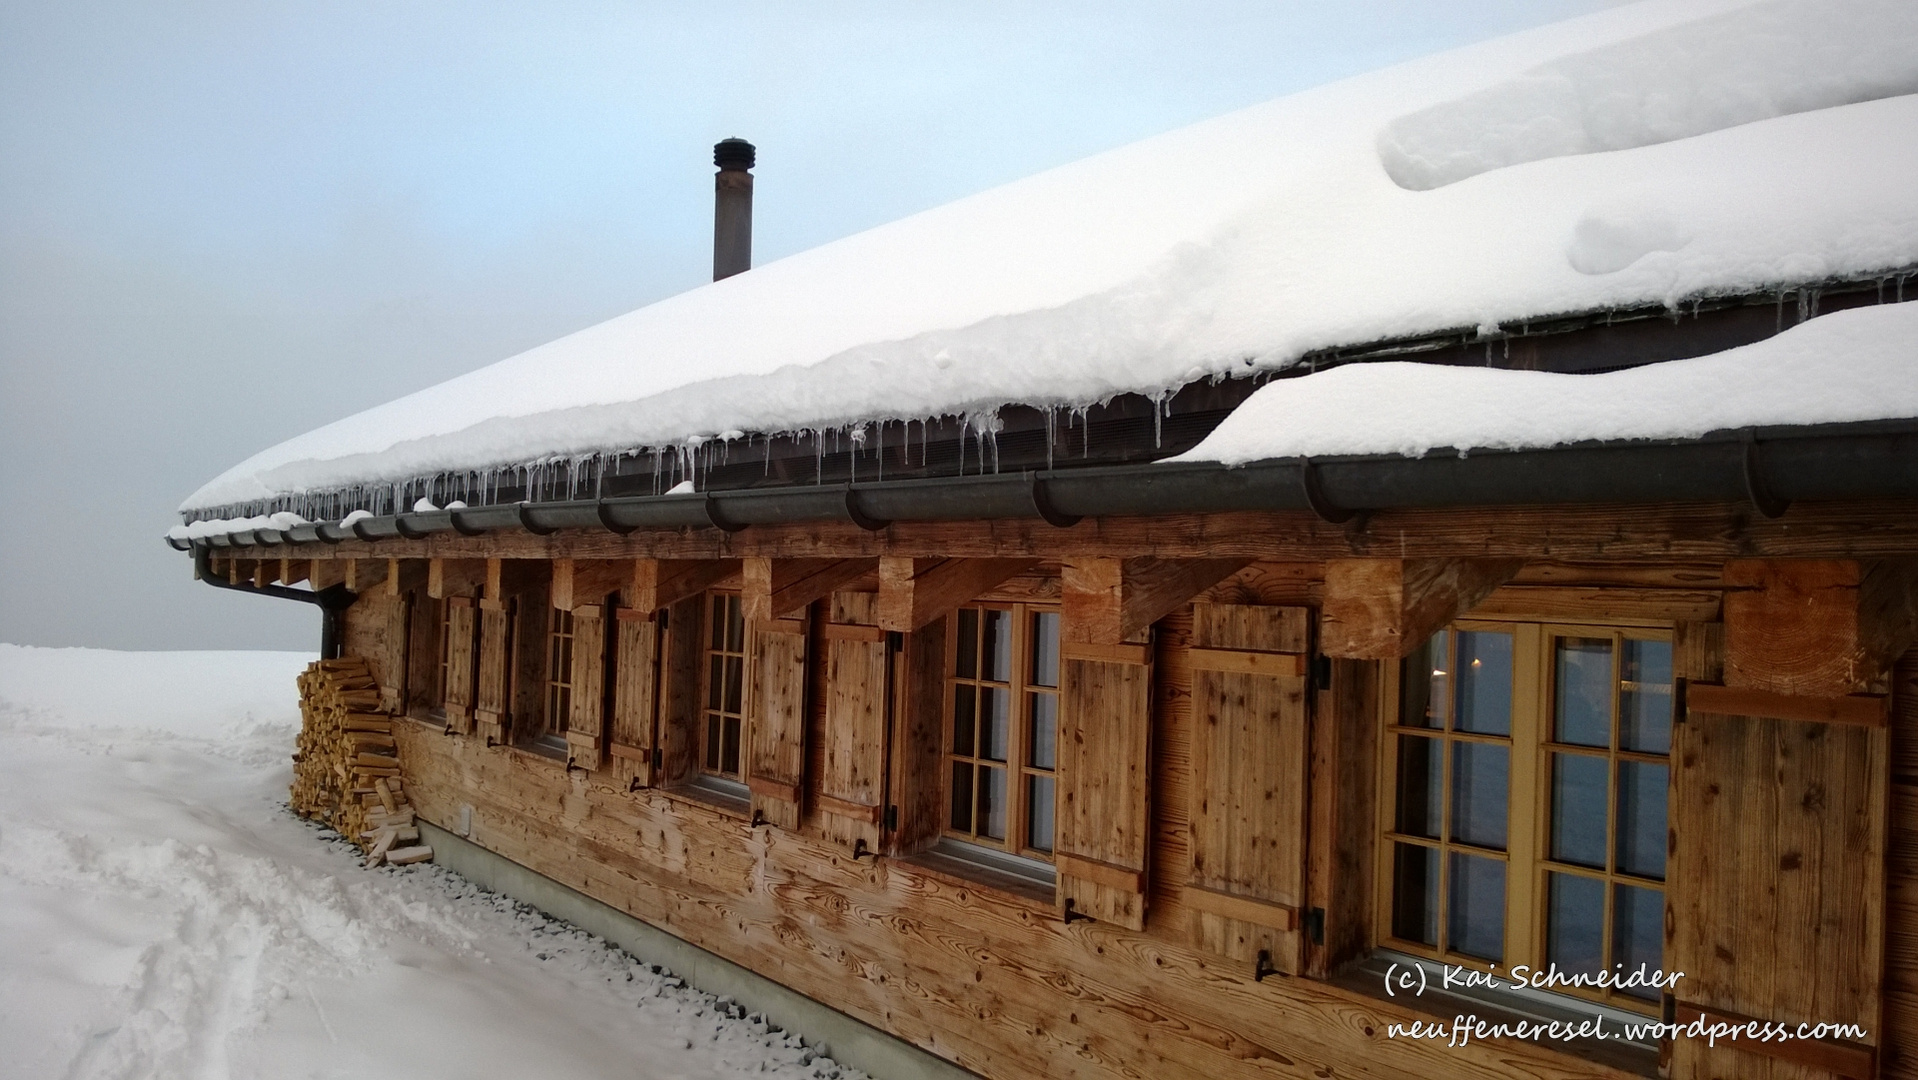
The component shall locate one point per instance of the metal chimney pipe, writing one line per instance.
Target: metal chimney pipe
(732, 208)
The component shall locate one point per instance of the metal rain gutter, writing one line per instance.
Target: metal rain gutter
(1769, 467)
(331, 600)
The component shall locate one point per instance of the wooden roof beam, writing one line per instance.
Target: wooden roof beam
(363, 574)
(774, 588)
(454, 577)
(914, 592)
(1381, 609)
(1112, 601)
(326, 573)
(1817, 627)
(293, 571)
(661, 583)
(587, 581)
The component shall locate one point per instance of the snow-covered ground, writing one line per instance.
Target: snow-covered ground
(162, 915)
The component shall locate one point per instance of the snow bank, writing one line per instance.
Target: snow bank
(1850, 365)
(162, 916)
(196, 694)
(1639, 155)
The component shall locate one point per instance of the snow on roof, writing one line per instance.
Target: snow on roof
(1644, 154)
(1848, 366)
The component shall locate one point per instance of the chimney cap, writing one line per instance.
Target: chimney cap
(733, 154)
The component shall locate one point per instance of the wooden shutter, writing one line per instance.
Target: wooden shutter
(494, 666)
(1247, 796)
(585, 725)
(852, 780)
(775, 762)
(635, 696)
(1776, 884)
(462, 630)
(1104, 781)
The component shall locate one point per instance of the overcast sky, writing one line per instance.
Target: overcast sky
(225, 223)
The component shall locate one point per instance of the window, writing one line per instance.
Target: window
(724, 676)
(559, 673)
(1526, 817)
(1002, 704)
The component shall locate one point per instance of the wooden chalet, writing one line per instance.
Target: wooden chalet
(1055, 759)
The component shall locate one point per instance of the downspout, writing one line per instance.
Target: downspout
(331, 600)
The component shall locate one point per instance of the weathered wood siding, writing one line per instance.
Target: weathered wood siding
(998, 983)
(1901, 911)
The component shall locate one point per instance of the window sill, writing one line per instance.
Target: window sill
(952, 863)
(539, 752)
(1496, 1006)
(731, 800)
(432, 721)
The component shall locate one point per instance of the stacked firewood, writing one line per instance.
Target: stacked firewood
(346, 769)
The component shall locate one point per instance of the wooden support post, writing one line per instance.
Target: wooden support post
(661, 583)
(776, 588)
(293, 571)
(1381, 609)
(914, 592)
(264, 572)
(454, 577)
(1817, 627)
(1108, 601)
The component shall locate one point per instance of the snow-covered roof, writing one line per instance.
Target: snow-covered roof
(1645, 154)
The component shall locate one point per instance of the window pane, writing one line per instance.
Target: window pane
(1421, 783)
(1475, 906)
(1045, 648)
(1645, 701)
(712, 741)
(1425, 693)
(735, 626)
(1641, 819)
(715, 681)
(964, 708)
(1039, 812)
(967, 665)
(1415, 888)
(995, 646)
(995, 722)
(1484, 682)
(992, 802)
(729, 760)
(717, 639)
(1575, 924)
(735, 682)
(1479, 801)
(1638, 933)
(1582, 714)
(961, 796)
(1045, 730)
(1579, 788)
